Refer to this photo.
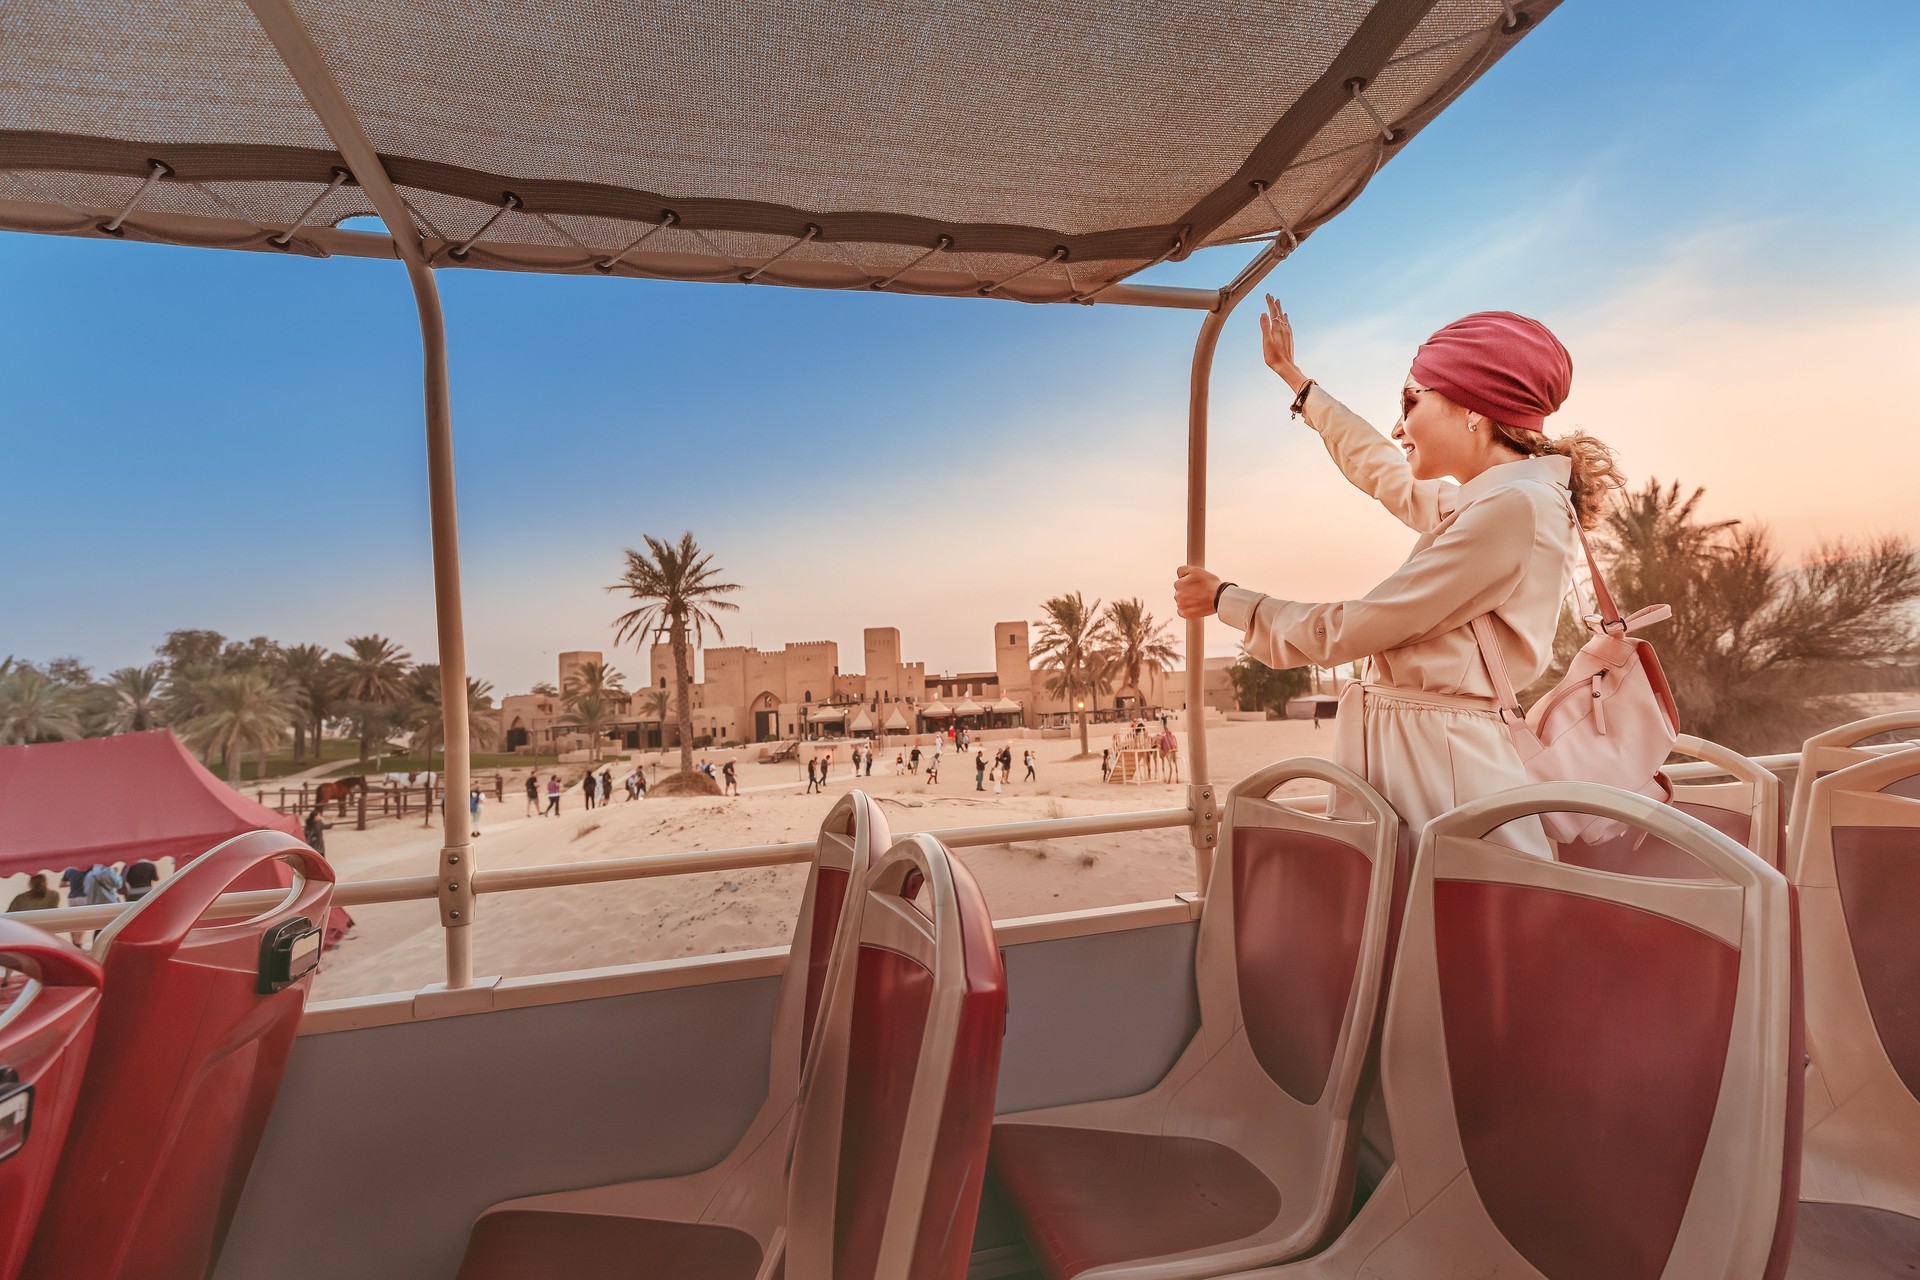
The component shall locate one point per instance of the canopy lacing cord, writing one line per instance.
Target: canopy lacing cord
(668, 218)
(1358, 88)
(565, 234)
(158, 172)
(1264, 190)
(1059, 254)
(1513, 23)
(812, 230)
(939, 246)
(285, 238)
(508, 203)
(1086, 298)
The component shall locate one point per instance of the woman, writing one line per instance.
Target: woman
(1494, 501)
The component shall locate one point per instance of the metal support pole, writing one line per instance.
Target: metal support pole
(1200, 792)
(303, 59)
(456, 853)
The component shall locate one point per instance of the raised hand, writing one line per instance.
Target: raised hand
(1276, 343)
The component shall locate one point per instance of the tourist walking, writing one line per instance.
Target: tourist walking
(813, 775)
(979, 771)
(533, 792)
(1027, 760)
(1106, 763)
(732, 786)
(473, 807)
(606, 785)
(913, 760)
(933, 768)
(1496, 505)
(553, 794)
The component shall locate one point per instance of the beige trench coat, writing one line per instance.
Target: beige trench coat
(1423, 728)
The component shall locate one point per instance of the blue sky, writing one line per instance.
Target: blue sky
(1713, 203)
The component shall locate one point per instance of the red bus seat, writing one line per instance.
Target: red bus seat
(716, 1224)
(195, 1024)
(46, 1027)
(1856, 866)
(891, 1144)
(1589, 1075)
(1244, 1154)
(1746, 809)
(1841, 748)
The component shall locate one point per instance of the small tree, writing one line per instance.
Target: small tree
(36, 709)
(130, 699)
(1258, 687)
(593, 698)
(372, 685)
(241, 709)
(1756, 650)
(1076, 646)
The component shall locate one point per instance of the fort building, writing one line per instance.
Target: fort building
(745, 695)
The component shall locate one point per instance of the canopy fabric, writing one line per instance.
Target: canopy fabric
(1007, 705)
(118, 799)
(935, 710)
(968, 708)
(861, 721)
(895, 720)
(1041, 155)
(827, 713)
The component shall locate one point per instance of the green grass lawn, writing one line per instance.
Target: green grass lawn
(279, 765)
(417, 764)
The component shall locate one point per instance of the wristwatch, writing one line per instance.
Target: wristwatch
(1300, 401)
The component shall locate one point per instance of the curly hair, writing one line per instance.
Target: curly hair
(1596, 471)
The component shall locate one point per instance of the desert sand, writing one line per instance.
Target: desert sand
(396, 947)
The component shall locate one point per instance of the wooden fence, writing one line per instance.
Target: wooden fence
(380, 799)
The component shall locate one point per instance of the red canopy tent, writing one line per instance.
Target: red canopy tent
(120, 799)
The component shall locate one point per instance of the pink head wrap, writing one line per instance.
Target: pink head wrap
(1499, 364)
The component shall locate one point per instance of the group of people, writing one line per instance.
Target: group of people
(596, 789)
(819, 766)
(102, 884)
(1000, 768)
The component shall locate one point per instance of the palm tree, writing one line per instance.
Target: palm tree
(311, 674)
(677, 583)
(656, 704)
(130, 699)
(429, 725)
(592, 713)
(1139, 644)
(602, 686)
(373, 681)
(35, 709)
(1076, 646)
(241, 709)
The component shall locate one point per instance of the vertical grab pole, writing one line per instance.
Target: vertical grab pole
(294, 43)
(457, 898)
(1201, 797)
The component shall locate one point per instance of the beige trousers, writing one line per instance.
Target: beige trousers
(1428, 752)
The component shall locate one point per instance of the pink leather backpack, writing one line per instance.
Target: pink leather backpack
(1611, 719)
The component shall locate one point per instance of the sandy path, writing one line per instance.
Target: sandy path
(398, 946)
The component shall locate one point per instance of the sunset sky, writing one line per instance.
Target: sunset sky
(1713, 204)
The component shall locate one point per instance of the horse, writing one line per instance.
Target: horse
(339, 790)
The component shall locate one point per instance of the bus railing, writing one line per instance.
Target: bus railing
(357, 893)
